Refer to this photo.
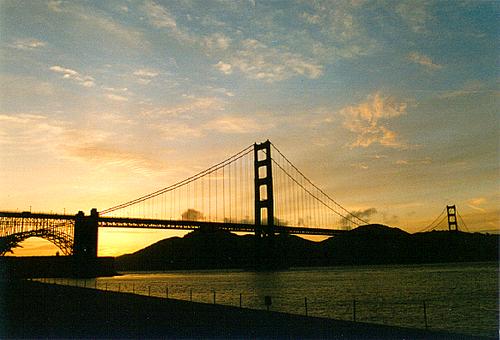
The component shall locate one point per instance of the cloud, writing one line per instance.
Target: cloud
(200, 127)
(28, 44)
(470, 87)
(365, 214)
(38, 134)
(224, 67)
(217, 41)
(367, 121)
(476, 202)
(55, 6)
(145, 76)
(90, 20)
(224, 91)
(146, 73)
(109, 155)
(116, 97)
(30, 133)
(67, 73)
(361, 166)
(192, 215)
(310, 18)
(405, 162)
(193, 106)
(160, 17)
(423, 60)
(234, 125)
(258, 61)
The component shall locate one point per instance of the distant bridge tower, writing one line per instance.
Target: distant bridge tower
(452, 218)
(264, 200)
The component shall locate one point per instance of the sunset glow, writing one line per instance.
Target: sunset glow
(390, 107)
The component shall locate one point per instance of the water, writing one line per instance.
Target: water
(460, 297)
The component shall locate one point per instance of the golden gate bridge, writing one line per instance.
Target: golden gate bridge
(257, 190)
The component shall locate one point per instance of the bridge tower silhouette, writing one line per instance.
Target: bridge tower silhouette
(264, 199)
(86, 235)
(451, 211)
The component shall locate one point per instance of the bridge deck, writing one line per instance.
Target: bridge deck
(124, 222)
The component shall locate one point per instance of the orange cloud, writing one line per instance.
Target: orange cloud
(367, 121)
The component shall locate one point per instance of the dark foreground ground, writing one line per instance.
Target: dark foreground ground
(36, 310)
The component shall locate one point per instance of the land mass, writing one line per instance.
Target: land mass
(370, 244)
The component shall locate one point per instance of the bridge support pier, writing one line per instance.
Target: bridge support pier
(86, 231)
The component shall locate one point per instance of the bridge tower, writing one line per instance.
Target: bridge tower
(264, 200)
(85, 239)
(452, 217)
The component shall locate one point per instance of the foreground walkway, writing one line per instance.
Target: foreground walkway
(37, 310)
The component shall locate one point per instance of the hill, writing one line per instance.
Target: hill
(370, 244)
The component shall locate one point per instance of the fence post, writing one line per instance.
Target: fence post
(425, 315)
(191, 294)
(240, 300)
(166, 291)
(106, 287)
(305, 304)
(214, 297)
(149, 290)
(133, 287)
(354, 310)
(119, 287)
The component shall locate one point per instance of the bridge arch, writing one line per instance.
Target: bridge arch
(60, 239)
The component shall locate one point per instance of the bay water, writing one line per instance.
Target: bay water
(456, 297)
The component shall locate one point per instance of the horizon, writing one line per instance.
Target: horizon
(390, 108)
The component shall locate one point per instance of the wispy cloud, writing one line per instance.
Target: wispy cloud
(423, 60)
(258, 61)
(41, 135)
(67, 73)
(116, 97)
(217, 41)
(192, 106)
(234, 125)
(145, 76)
(28, 44)
(160, 17)
(470, 87)
(475, 203)
(99, 21)
(367, 121)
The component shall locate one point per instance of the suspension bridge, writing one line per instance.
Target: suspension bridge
(257, 190)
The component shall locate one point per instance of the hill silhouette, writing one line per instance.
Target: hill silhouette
(370, 244)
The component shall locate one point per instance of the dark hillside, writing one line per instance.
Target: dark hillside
(444, 246)
(370, 244)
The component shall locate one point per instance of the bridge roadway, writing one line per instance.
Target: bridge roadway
(125, 222)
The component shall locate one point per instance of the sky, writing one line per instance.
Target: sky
(389, 106)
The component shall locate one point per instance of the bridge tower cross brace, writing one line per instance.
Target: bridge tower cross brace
(452, 217)
(264, 200)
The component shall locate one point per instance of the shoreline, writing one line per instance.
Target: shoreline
(38, 310)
